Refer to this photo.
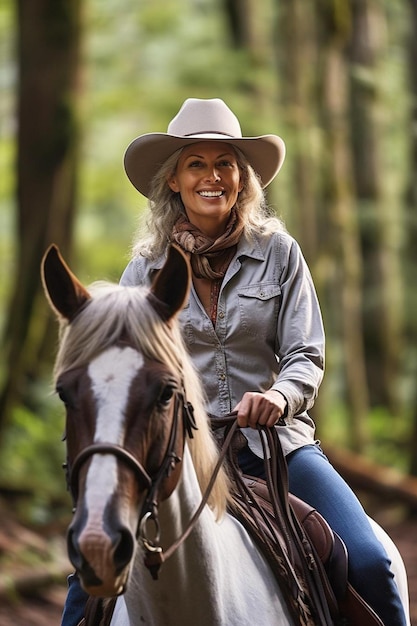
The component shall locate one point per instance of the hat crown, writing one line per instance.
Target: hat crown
(205, 117)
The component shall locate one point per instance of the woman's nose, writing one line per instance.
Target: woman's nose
(213, 175)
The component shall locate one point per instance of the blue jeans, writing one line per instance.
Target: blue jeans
(74, 603)
(313, 479)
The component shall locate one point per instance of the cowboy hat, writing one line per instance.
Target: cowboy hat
(201, 120)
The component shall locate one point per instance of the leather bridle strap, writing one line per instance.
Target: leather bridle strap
(207, 492)
(149, 483)
(106, 448)
(150, 505)
(154, 555)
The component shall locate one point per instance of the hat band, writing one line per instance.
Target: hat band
(210, 133)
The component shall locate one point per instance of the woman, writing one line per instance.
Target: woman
(253, 324)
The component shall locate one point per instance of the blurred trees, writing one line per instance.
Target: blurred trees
(410, 256)
(380, 226)
(48, 34)
(337, 80)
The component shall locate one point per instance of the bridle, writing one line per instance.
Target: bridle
(124, 455)
(154, 555)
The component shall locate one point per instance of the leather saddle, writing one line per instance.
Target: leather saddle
(308, 558)
(346, 606)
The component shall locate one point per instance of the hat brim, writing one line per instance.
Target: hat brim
(147, 153)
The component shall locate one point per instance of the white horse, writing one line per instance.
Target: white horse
(124, 375)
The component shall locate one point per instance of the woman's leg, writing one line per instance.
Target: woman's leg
(75, 602)
(313, 479)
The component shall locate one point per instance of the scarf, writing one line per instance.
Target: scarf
(209, 257)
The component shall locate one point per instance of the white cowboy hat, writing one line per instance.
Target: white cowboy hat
(201, 120)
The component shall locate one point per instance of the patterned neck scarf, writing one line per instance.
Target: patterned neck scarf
(209, 257)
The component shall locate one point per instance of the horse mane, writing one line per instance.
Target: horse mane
(116, 313)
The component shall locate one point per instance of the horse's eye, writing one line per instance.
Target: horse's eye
(62, 394)
(166, 395)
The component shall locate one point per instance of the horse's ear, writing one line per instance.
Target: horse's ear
(64, 291)
(170, 289)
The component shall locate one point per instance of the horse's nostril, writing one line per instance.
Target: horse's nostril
(123, 549)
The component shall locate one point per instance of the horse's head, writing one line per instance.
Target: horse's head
(123, 396)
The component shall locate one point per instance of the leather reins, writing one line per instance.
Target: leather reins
(155, 556)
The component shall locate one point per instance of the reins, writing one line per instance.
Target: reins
(155, 556)
(304, 589)
(289, 551)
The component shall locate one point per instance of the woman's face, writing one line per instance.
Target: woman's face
(208, 179)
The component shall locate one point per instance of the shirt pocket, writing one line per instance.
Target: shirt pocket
(258, 306)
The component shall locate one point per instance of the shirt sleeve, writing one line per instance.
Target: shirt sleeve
(300, 335)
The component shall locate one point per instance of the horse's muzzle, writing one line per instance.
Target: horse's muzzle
(101, 555)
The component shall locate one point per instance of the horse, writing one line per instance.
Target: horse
(141, 454)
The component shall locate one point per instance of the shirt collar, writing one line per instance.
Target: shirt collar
(250, 246)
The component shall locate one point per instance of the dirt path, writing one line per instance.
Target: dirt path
(44, 611)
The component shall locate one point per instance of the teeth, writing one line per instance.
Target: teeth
(211, 194)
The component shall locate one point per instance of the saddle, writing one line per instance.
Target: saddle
(308, 559)
(346, 606)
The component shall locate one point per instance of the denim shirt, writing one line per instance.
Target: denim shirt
(268, 332)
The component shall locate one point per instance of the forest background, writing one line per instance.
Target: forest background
(337, 79)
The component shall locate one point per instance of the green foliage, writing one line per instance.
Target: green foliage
(388, 435)
(33, 454)
(389, 439)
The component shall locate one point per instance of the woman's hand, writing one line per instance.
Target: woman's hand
(260, 408)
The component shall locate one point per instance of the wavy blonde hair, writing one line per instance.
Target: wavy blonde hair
(165, 207)
(114, 313)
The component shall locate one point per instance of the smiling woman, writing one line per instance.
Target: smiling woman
(252, 322)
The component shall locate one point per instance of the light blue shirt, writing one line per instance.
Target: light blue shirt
(268, 332)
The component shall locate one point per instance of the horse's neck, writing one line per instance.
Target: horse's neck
(216, 577)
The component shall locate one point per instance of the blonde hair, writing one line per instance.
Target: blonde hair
(165, 207)
(116, 312)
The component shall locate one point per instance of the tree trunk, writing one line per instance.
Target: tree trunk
(296, 50)
(411, 230)
(250, 26)
(48, 50)
(380, 223)
(343, 232)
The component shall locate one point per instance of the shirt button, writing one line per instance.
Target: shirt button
(222, 377)
(221, 315)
